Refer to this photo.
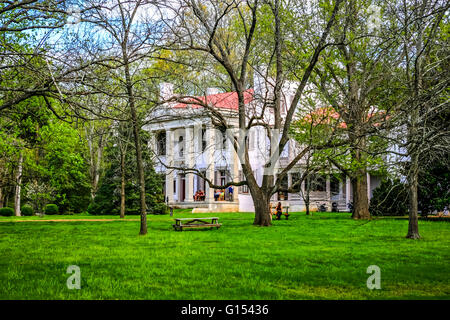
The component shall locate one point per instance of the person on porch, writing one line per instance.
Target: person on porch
(216, 195)
(230, 193)
(201, 195)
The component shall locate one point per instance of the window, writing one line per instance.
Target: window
(334, 185)
(203, 140)
(284, 185)
(318, 183)
(296, 176)
(161, 143)
(224, 140)
(180, 146)
(244, 188)
(223, 177)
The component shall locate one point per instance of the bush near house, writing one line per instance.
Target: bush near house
(390, 198)
(159, 208)
(6, 211)
(26, 210)
(51, 209)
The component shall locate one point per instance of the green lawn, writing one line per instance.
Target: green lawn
(320, 257)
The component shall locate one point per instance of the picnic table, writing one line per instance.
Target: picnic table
(208, 222)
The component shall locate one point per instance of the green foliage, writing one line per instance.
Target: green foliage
(62, 171)
(51, 209)
(434, 188)
(107, 199)
(26, 210)
(6, 211)
(159, 208)
(390, 198)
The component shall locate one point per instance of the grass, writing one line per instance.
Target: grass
(324, 256)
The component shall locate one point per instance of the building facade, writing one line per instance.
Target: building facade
(186, 143)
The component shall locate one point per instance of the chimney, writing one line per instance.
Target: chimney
(210, 91)
(165, 91)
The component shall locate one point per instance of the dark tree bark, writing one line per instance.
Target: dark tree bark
(137, 145)
(18, 185)
(359, 185)
(413, 175)
(122, 184)
(262, 210)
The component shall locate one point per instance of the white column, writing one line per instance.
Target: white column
(189, 162)
(303, 190)
(368, 186)
(153, 144)
(169, 162)
(328, 188)
(347, 190)
(210, 163)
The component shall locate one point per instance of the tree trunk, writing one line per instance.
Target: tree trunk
(359, 180)
(360, 199)
(1, 197)
(122, 186)
(137, 145)
(96, 175)
(95, 160)
(413, 132)
(262, 211)
(308, 192)
(413, 225)
(18, 185)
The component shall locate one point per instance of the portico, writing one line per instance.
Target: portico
(196, 146)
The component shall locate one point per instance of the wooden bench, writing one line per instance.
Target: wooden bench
(209, 222)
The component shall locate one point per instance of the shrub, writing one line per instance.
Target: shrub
(51, 209)
(434, 188)
(6, 211)
(159, 208)
(27, 210)
(390, 198)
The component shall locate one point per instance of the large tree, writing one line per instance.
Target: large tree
(425, 81)
(125, 35)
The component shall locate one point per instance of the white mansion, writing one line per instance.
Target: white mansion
(184, 137)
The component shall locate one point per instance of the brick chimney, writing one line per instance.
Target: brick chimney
(210, 91)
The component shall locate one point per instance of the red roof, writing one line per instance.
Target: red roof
(226, 100)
